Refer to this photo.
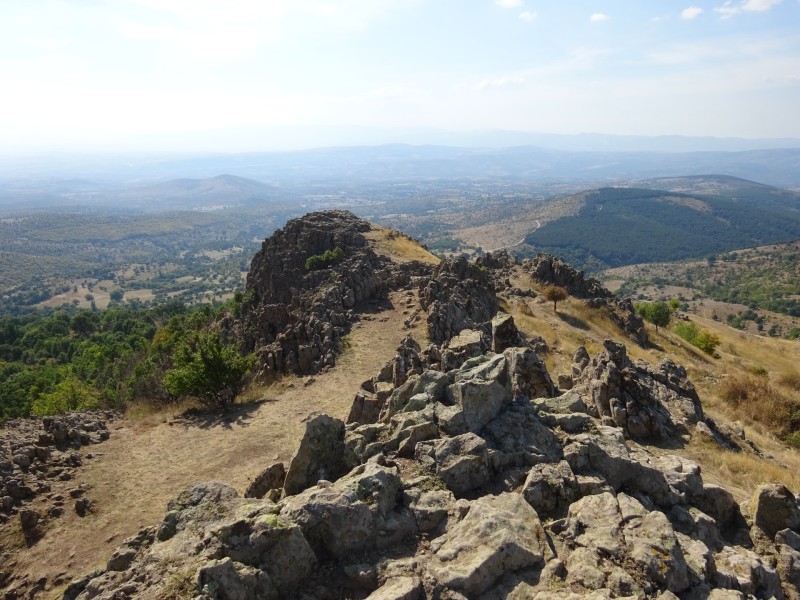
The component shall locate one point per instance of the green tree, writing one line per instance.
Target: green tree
(555, 294)
(657, 313)
(209, 370)
(71, 394)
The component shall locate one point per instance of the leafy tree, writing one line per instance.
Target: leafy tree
(657, 313)
(71, 394)
(209, 370)
(555, 294)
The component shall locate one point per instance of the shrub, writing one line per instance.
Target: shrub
(209, 370)
(705, 340)
(686, 330)
(69, 395)
(324, 260)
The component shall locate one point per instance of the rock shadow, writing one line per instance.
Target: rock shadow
(238, 415)
(573, 321)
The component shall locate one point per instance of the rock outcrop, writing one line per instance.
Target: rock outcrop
(550, 270)
(480, 481)
(295, 312)
(459, 295)
(463, 470)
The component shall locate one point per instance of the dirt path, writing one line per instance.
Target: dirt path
(142, 466)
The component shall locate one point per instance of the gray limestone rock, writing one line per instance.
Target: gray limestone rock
(226, 580)
(462, 461)
(774, 508)
(550, 487)
(499, 534)
(319, 456)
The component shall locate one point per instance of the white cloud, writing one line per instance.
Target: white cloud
(500, 82)
(599, 18)
(508, 3)
(759, 5)
(690, 13)
(728, 9)
(528, 16)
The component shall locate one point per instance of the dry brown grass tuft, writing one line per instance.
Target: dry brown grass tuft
(741, 470)
(790, 380)
(756, 399)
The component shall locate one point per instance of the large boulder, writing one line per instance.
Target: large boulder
(320, 455)
(645, 401)
(462, 462)
(550, 487)
(500, 534)
(529, 375)
(505, 333)
(226, 580)
(457, 296)
(774, 508)
(652, 546)
(269, 542)
(478, 395)
(352, 515)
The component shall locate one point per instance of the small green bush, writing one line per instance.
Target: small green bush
(705, 340)
(324, 260)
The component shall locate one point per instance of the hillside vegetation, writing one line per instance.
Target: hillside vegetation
(621, 225)
(754, 289)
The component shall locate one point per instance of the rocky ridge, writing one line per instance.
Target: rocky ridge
(294, 317)
(464, 471)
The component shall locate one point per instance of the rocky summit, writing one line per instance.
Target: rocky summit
(465, 468)
(300, 301)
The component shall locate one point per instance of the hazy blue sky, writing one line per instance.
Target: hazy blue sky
(120, 74)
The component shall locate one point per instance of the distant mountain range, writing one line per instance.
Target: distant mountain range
(222, 191)
(551, 158)
(188, 182)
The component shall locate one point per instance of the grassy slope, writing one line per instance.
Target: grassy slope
(575, 324)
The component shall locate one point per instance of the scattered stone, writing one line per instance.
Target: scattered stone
(83, 506)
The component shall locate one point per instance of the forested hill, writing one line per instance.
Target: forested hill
(619, 226)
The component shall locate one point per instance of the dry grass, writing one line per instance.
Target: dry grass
(742, 472)
(754, 398)
(397, 246)
(790, 381)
